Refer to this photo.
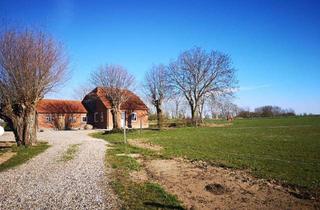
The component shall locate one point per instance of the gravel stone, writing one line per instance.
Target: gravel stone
(44, 182)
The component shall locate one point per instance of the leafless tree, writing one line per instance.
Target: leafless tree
(31, 64)
(82, 90)
(197, 74)
(157, 89)
(116, 80)
(223, 106)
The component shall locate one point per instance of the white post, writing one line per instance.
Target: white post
(140, 126)
(124, 129)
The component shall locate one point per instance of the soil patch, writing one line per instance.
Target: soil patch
(7, 144)
(216, 189)
(129, 155)
(6, 156)
(209, 187)
(146, 145)
(215, 125)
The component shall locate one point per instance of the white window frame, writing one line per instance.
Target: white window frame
(136, 116)
(95, 117)
(84, 117)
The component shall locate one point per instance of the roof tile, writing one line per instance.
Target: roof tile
(60, 106)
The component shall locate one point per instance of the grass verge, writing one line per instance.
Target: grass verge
(134, 195)
(70, 153)
(23, 155)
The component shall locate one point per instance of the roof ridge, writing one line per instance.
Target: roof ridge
(50, 99)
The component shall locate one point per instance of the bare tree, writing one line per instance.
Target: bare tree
(82, 90)
(223, 106)
(31, 64)
(197, 74)
(157, 89)
(116, 80)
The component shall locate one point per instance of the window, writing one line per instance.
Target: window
(134, 116)
(95, 117)
(101, 116)
(84, 118)
(49, 118)
(72, 119)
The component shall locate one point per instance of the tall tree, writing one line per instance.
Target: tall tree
(157, 89)
(117, 81)
(197, 74)
(32, 64)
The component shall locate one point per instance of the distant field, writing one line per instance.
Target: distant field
(285, 149)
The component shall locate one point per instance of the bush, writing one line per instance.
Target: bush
(5, 126)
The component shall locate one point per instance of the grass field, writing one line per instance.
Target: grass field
(23, 155)
(284, 149)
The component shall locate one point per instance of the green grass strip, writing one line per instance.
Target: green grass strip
(70, 153)
(23, 155)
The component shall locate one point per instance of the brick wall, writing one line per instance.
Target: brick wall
(141, 119)
(61, 121)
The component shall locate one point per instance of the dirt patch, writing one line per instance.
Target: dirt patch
(7, 144)
(216, 189)
(6, 156)
(139, 176)
(208, 187)
(145, 144)
(214, 125)
(129, 155)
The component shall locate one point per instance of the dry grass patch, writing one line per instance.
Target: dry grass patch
(6, 156)
(145, 144)
(70, 153)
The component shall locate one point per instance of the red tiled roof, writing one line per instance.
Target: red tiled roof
(133, 102)
(60, 106)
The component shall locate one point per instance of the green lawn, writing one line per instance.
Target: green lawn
(285, 149)
(23, 155)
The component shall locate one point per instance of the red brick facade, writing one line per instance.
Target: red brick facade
(61, 114)
(134, 111)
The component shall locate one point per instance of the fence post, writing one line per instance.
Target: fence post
(140, 126)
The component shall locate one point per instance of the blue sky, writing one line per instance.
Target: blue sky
(274, 45)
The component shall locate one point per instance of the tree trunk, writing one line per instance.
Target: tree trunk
(194, 115)
(25, 129)
(177, 110)
(159, 116)
(114, 112)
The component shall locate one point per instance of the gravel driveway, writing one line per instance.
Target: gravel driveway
(46, 182)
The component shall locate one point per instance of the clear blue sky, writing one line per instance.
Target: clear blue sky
(275, 45)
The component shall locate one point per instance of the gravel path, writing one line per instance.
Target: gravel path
(46, 182)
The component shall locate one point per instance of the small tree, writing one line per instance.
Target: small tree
(157, 89)
(31, 64)
(116, 80)
(197, 74)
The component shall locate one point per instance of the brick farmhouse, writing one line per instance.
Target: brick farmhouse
(94, 109)
(61, 114)
(134, 113)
